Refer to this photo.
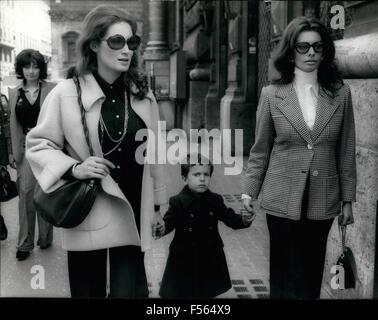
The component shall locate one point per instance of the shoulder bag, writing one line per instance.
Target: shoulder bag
(69, 205)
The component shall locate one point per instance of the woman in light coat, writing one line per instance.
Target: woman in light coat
(303, 160)
(118, 104)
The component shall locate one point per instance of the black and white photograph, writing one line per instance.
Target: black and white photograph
(181, 150)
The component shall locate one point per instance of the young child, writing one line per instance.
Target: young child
(196, 265)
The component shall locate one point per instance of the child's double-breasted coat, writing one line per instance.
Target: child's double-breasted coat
(196, 265)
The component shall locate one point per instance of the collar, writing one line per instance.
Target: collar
(91, 92)
(188, 197)
(40, 85)
(302, 77)
(107, 87)
(306, 80)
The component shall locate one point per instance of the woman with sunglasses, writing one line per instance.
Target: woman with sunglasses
(303, 158)
(25, 101)
(118, 104)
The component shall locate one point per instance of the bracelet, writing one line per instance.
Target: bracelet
(74, 167)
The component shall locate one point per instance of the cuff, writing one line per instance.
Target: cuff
(245, 196)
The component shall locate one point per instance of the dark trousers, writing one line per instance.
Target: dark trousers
(87, 273)
(297, 254)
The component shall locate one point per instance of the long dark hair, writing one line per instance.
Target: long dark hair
(328, 74)
(95, 26)
(27, 57)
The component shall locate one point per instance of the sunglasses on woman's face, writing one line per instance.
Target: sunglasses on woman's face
(117, 42)
(304, 47)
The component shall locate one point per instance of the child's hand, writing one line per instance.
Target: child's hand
(247, 217)
(158, 230)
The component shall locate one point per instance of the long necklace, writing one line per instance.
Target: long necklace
(105, 130)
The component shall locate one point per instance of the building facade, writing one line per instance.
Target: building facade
(66, 18)
(218, 57)
(24, 24)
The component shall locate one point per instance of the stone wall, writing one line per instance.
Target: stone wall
(356, 59)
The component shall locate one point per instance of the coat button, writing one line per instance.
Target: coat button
(315, 173)
(211, 228)
(190, 229)
(211, 213)
(309, 146)
(192, 215)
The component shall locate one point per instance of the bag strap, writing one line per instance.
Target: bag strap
(342, 230)
(82, 111)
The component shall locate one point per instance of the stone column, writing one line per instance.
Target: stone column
(237, 107)
(218, 68)
(156, 56)
(197, 47)
(358, 60)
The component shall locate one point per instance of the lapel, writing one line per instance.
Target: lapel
(45, 89)
(92, 93)
(326, 107)
(13, 95)
(291, 109)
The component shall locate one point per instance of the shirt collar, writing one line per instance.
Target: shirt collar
(307, 80)
(107, 87)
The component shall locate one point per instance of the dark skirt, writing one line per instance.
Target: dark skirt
(200, 272)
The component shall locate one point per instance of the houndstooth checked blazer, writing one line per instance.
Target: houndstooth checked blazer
(286, 152)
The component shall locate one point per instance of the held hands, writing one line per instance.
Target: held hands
(158, 226)
(248, 213)
(12, 162)
(346, 216)
(93, 167)
(247, 217)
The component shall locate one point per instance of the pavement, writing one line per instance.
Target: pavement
(44, 273)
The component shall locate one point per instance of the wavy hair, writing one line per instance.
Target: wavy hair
(328, 74)
(26, 58)
(95, 26)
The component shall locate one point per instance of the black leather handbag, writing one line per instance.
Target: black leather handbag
(69, 205)
(347, 261)
(8, 188)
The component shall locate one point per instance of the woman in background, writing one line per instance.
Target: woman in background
(25, 102)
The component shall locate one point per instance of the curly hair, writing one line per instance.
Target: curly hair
(328, 74)
(26, 58)
(95, 26)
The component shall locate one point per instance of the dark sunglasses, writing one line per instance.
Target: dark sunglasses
(304, 47)
(117, 42)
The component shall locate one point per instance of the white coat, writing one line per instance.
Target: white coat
(111, 221)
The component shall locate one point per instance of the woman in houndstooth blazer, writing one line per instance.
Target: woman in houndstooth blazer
(303, 158)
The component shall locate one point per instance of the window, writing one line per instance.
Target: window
(69, 45)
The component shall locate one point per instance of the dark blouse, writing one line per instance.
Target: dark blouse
(128, 173)
(27, 113)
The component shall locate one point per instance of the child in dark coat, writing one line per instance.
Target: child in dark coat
(196, 265)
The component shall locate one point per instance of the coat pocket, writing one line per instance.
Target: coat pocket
(332, 194)
(275, 193)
